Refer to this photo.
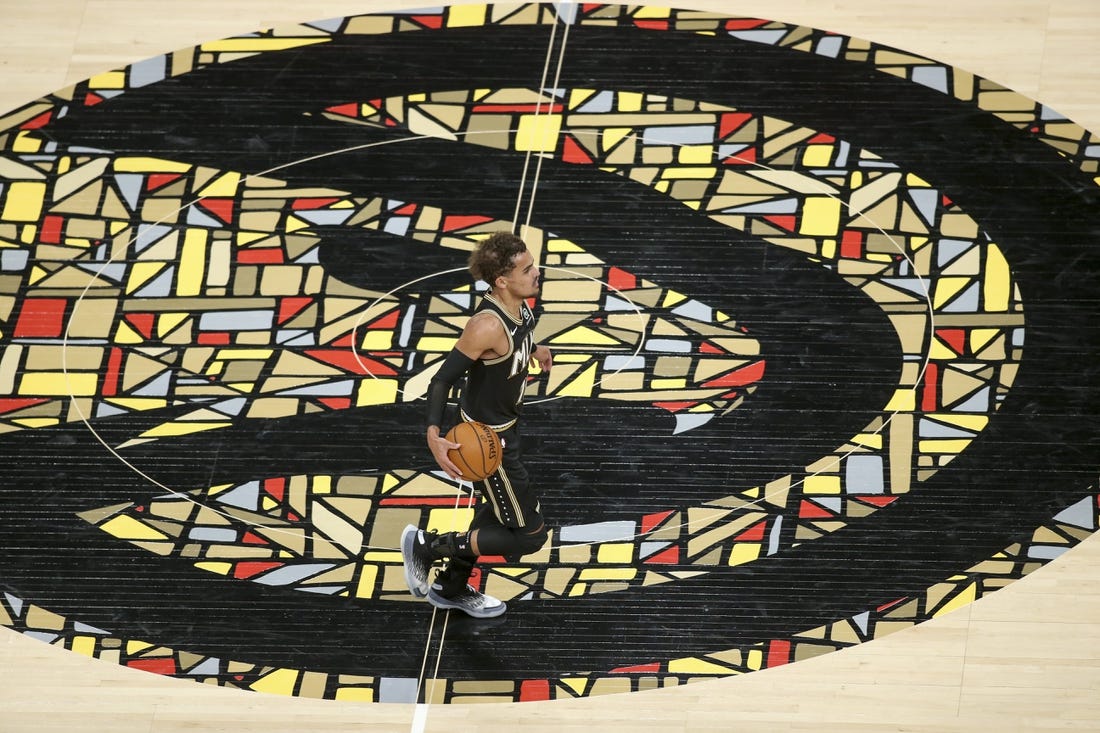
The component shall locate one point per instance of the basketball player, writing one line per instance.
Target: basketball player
(494, 352)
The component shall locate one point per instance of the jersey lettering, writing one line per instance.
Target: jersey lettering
(521, 357)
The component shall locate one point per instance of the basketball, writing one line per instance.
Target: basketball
(481, 451)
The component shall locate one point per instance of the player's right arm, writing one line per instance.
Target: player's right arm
(481, 338)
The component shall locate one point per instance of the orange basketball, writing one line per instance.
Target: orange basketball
(481, 451)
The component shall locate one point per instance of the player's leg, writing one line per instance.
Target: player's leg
(507, 522)
(421, 549)
(492, 538)
(451, 587)
(516, 527)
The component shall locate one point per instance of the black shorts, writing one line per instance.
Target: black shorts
(508, 491)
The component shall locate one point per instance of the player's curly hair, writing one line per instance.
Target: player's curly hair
(493, 256)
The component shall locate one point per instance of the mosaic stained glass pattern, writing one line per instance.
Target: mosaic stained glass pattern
(889, 234)
(139, 285)
(1013, 562)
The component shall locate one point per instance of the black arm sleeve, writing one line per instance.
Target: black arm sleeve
(454, 366)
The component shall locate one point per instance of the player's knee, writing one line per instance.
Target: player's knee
(528, 542)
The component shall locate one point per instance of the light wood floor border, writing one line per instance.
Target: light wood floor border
(1026, 658)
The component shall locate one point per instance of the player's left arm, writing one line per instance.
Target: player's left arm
(542, 356)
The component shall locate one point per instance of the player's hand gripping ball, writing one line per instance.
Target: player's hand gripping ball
(481, 451)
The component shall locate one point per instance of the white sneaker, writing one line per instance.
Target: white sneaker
(418, 560)
(470, 601)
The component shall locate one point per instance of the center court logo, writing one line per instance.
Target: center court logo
(866, 262)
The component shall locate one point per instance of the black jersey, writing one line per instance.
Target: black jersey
(494, 387)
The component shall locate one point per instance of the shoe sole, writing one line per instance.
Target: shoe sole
(408, 542)
(448, 605)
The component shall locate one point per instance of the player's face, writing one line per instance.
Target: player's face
(522, 280)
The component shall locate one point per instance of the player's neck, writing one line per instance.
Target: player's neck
(508, 302)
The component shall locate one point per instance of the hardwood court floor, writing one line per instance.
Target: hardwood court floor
(1024, 658)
